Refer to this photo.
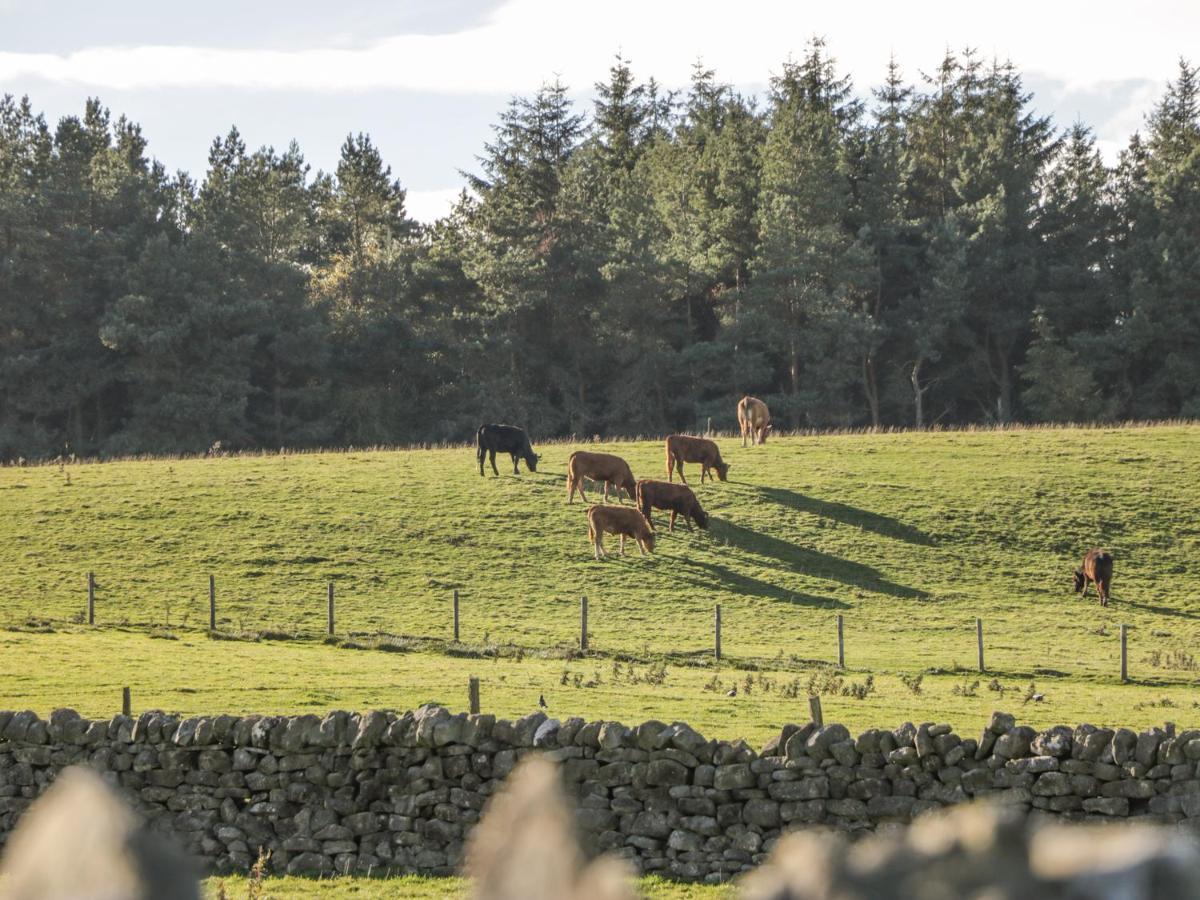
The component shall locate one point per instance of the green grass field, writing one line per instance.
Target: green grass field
(909, 536)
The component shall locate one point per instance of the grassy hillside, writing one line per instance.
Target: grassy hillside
(909, 537)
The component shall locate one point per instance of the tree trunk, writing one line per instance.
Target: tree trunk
(871, 388)
(918, 393)
(794, 372)
(277, 402)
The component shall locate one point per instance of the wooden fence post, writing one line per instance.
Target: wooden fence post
(717, 630)
(456, 617)
(709, 432)
(1124, 653)
(841, 643)
(126, 702)
(91, 610)
(814, 707)
(979, 642)
(583, 623)
(212, 602)
(329, 610)
(473, 694)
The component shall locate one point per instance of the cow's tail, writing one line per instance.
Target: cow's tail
(570, 477)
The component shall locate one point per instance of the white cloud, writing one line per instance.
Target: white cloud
(428, 206)
(527, 41)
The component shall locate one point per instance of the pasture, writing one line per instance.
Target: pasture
(909, 536)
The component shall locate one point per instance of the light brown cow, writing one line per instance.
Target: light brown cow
(754, 419)
(622, 521)
(683, 448)
(677, 498)
(606, 467)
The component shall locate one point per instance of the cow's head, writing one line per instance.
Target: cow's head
(531, 460)
(766, 430)
(722, 470)
(700, 517)
(648, 540)
(1080, 580)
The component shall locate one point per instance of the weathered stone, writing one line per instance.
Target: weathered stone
(803, 789)
(665, 772)
(1107, 806)
(1052, 784)
(732, 777)
(763, 813)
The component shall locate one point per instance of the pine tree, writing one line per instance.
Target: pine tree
(812, 277)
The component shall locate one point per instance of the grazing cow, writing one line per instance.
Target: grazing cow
(754, 419)
(619, 520)
(1097, 569)
(683, 448)
(678, 498)
(612, 470)
(493, 439)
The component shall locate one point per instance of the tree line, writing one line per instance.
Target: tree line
(937, 254)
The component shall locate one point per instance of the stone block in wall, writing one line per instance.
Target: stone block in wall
(732, 777)
(890, 807)
(1106, 806)
(1129, 788)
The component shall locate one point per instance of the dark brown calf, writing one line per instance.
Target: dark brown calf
(683, 448)
(678, 498)
(599, 467)
(622, 521)
(1098, 570)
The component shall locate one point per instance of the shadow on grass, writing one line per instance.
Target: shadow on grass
(715, 576)
(1154, 609)
(848, 515)
(810, 562)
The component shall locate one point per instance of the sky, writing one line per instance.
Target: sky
(428, 78)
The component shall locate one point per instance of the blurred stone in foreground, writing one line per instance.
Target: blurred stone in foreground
(80, 840)
(985, 852)
(525, 847)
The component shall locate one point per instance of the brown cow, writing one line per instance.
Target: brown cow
(678, 498)
(683, 448)
(754, 419)
(1097, 569)
(619, 520)
(599, 467)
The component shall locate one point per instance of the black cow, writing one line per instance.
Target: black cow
(493, 439)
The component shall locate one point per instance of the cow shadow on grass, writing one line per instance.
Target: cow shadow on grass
(1154, 609)
(710, 576)
(848, 515)
(810, 562)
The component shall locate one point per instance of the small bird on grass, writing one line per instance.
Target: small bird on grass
(542, 700)
(732, 692)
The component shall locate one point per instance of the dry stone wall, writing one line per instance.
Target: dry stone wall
(377, 792)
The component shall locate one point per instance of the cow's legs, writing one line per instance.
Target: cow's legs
(492, 460)
(482, 453)
(606, 492)
(641, 546)
(672, 526)
(514, 456)
(622, 545)
(679, 462)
